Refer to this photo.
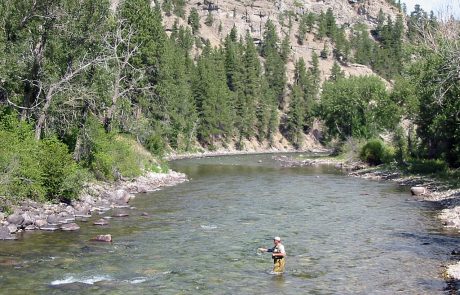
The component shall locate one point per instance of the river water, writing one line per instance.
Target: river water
(342, 235)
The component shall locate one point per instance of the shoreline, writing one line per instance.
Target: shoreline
(219, 153)
(96, 197)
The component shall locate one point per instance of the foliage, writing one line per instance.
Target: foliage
(111, 156)
(427, 166)
(42, 170)
(375, 152)
(357, 106)
(194, 20)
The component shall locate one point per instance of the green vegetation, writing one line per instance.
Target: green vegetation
(375, 152)
(81, 85)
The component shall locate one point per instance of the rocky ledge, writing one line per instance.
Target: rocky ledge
(96, 197)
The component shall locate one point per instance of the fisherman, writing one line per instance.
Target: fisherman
(278, 255)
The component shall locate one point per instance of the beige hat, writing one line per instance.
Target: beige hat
(277, 239)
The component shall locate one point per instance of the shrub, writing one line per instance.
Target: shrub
(21, 175)
(155, 144)
(375, 152)
(40, 170)
(62, 177)
(427, 166)
(111, 155)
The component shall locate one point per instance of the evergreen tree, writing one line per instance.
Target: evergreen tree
(167, 7)
(331, 25)
(180, 119)
(213, 98)
(194, 20)
(336, 72)
(274, 65)
(295, 121)
(209, 19)
(285, 49)
(362, 45)
(179, 8)
(315, 72)
(322, 26)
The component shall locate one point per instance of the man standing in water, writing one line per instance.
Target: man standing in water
(278, 255)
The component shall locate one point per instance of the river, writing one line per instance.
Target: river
(343, 235)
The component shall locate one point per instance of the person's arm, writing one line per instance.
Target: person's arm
(265, 250)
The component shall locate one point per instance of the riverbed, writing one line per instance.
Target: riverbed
(343, 235)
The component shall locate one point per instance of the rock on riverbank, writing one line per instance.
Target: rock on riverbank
(96, 197)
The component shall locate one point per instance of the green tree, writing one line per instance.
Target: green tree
(274, 65)
(194, 20)
(357, 107)
(209, 19)
(336, 72)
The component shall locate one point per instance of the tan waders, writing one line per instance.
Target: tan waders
(279, 263)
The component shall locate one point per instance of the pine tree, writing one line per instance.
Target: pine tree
(336, 72)
(285, 48)
(179, 119)
(315, 72)
(296, 116)
(331, 25)
(209, 19)
(194, 20)
(274, 65)
(322, 26)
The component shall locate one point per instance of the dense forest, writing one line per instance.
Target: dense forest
(82, 84)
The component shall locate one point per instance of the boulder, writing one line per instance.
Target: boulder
(30, 227)
(141, 188)
(15, 219)
(5, 234)
(2, 216)
(121, 197)
(40, 223)
(418, 190)
(53, 219)
(12, 228)
(70, 227)
(28, 219)
(102, 238)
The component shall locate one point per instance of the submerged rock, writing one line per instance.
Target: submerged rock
(120, 214)
(102, 238)
(49, 227)
(101, 222)
(70, 227)
(5, 234)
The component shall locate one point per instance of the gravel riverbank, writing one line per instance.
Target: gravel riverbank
(96, 197)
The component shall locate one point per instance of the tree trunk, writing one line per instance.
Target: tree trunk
(43, 113)
(31, 91)
(116, 92)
